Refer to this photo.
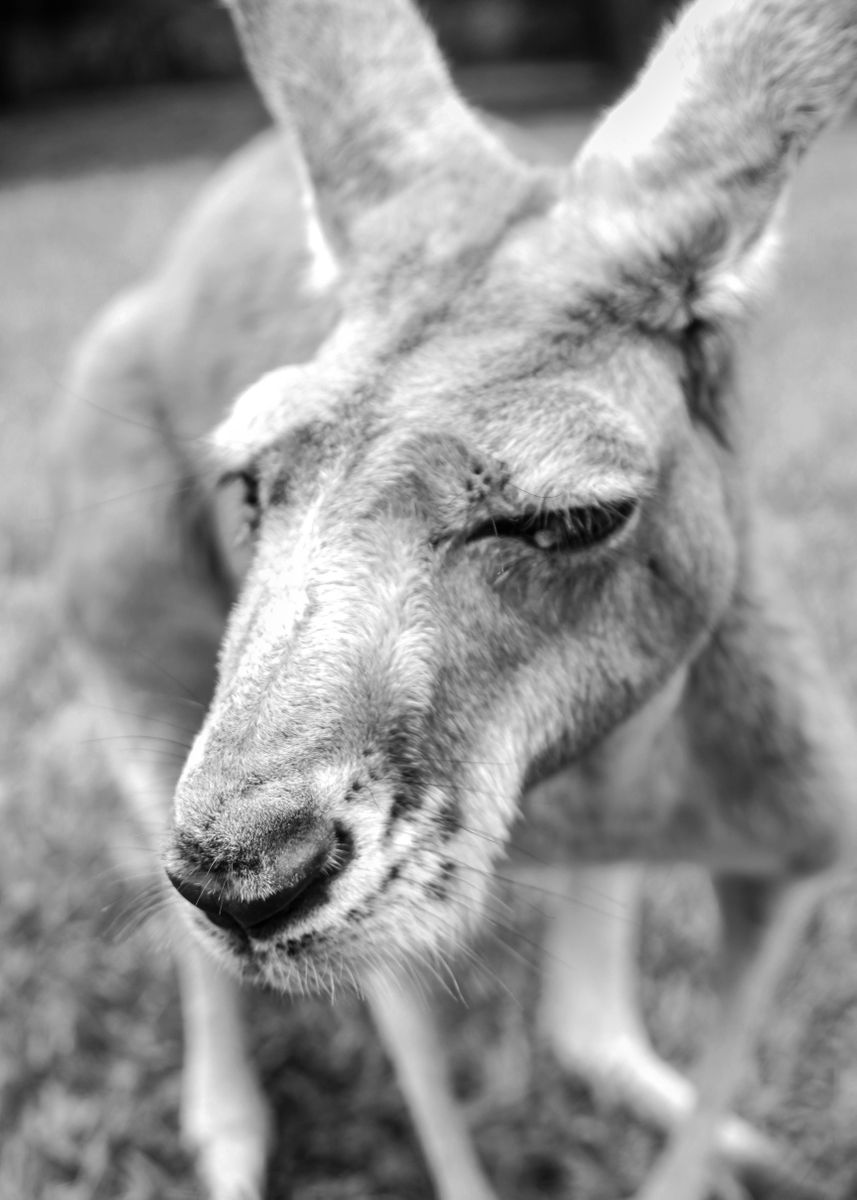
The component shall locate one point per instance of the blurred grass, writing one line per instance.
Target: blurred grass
(89, 1029)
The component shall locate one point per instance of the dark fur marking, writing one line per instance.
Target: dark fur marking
(438, 887)
(704, 379)
(400, 744)
(279, 491)
(449, 820)
(402, 805)
(295, 945)
(390, 878)
(655, 568)
(547, 763)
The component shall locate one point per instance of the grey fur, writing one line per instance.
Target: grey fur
(502, 342)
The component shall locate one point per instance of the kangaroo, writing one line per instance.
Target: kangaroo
(474, 545)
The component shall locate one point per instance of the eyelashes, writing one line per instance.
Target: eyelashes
(566, 530)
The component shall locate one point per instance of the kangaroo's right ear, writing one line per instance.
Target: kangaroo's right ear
(377, 118)
(676, 193)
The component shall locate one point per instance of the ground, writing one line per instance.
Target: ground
(89, 1029)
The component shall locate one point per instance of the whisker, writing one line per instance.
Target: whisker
(167, 674)
(137, 911)
(444, 965)
(116, 874)
(451, 988)
(480, 762)
(135, 737)
(608, 905)
(620, 912)
(190, 731)
(495, 919)
(190, 440)
(469, 952)
(373, 797)
(181, 484)
(509, 846)
(499, 928)
(153, 754)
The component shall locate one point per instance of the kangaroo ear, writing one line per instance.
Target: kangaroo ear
(377, 118)
(680, 184)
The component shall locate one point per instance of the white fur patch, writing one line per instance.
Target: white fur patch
(257, 416)
(323, 271)
(197, 751)
(264, 412)
(632, 128)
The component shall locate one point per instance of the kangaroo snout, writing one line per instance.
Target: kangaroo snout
(258, 893)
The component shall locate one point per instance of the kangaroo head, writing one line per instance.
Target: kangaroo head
(501, 508)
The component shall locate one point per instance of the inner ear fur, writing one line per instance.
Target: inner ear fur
(679, 188)
(707, 375)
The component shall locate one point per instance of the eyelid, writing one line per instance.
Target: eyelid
(578, 523)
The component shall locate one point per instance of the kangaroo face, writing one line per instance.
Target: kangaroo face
(498, 511)
(462, 571)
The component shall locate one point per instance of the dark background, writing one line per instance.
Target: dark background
(57, 44)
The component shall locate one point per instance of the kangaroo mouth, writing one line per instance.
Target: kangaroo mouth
(270, 914)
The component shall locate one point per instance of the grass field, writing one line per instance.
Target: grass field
(89, 1029)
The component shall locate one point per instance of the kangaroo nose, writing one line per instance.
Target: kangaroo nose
(299, 871)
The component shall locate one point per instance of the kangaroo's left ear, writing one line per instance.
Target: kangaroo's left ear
(676, 193)
(393, 154)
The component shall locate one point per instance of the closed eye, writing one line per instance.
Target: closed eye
(552, 531)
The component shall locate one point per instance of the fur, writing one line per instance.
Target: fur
(495, 350)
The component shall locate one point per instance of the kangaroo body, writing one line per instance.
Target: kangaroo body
(473, 546)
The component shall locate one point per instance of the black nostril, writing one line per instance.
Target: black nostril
(300, 870)
(208, 897)
(297, 871)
